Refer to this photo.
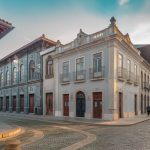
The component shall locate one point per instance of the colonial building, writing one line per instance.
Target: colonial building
(100, 75)
(21, 79)
(5, 27)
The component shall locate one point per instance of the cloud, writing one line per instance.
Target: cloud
(123, 2)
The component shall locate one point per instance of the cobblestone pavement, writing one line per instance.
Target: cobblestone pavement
(135, 137)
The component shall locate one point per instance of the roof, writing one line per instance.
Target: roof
(145, 51)
(5, 27)
(41, 39)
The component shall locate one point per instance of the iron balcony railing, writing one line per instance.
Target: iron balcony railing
(136, 79)
(79, 75)
(146, 85)
(130, 76)
(122, 72)
(96, 73)
(65, 77)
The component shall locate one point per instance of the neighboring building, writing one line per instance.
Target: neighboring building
(95, 76)
(5, 27)
(21, 80)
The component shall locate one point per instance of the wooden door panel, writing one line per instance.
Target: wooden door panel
(49, 103)
(31, 103)
(7, 103)
(22, 103)
(97, 104)
(66, 104)
(1, 104)
(14, 103)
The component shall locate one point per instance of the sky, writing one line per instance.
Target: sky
(62, 20)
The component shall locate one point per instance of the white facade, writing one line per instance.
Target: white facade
(95, 76)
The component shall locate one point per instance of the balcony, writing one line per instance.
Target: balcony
(97, 74)
(122, 73)
(65, 78)
(130, 77)
(80, 76)
(146, 85)
(136, 80)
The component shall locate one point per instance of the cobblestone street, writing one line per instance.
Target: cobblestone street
(59, 135)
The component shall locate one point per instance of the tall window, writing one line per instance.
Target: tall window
(49, 67)
(135, 71)
(97, 62)
(1, 79)
(7, 77)
(128, 68)
(120, 61)
(14, 75)
(66, 68)
(21, 72)
(32, 70)
(80, 68)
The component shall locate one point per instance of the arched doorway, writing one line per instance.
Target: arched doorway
(80, 104)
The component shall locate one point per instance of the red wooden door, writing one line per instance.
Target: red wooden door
(120, 106)
(66, 104)
(97, 105)
(21, 103)
(1, 103)
(49, 103)
(14, 103)
(31, 103)
(7, 103)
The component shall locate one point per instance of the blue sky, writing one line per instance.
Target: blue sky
(62, 19)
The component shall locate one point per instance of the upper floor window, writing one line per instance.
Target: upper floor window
(1, 79)
(49, 67)
(14, 75)
(21, 72)
(79, 64)
(120, 61)
(66, 67)
(7, 77)
(135, 70)
(128, 68)
(97, 62)
(31, 70)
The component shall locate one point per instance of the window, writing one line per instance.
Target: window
(80, 73)
(1, 79)
(21, 72)
(97, 62)
(128, 68)
(120, 61)
(135, 71)
(14, 75)
(66, 68)
(49, 67)
(7, 77)
(32, 70)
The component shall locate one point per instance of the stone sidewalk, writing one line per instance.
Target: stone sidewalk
(64, 120)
